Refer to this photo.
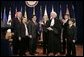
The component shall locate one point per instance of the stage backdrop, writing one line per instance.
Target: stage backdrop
(78, 11)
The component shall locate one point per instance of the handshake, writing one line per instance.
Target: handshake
(50, 29)
(30, 36)
(41, 23)
(74, 41)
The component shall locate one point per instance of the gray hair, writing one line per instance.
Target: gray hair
(54, 13)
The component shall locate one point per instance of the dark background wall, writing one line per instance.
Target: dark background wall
(78, 7)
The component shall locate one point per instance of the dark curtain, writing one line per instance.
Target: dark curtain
(78, 7)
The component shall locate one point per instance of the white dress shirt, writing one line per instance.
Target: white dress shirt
(26, 30)
(52, 22)
(64, 21)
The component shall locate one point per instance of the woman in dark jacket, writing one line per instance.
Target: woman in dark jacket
(71, 32)
(5, 43)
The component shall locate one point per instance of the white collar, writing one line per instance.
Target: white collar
(65, 20)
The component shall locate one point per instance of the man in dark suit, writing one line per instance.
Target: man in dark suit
(65, 24)
(25, 35)
(54, 29)
(32, 26)
(16, 25)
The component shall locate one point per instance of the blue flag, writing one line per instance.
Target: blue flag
(21, 9)
(60, 15)
(4, 17)
(40, 12)
(73, 12)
